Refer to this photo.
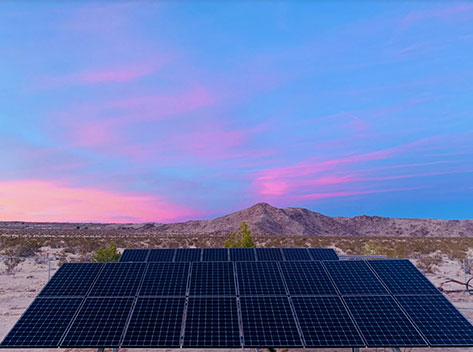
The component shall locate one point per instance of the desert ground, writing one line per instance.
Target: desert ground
(22, 278)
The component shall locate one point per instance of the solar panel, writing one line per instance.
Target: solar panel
(323, 254)
(269, 254)
(100, 323)
(43, 324)
(212, 278)
(72, 279)
(155, 322)
(214, 254)
(268, 322)
(296, 254)
(118, 279)
(259, 278)
(165, 279)
(354, 278)
(242, 254)
(440, 322)
(307, 278)
(402, 277)
(161, 255)
(134, 255)
(212, 322)
(188, 255)
(382, 323)
(325, 322)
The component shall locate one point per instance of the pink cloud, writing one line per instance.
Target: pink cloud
(445, 13)
(39, 200)
(314, 196)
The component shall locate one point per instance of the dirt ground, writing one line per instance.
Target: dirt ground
(20, 287)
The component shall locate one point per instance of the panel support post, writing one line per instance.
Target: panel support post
(355, 349)
(101, 350)
(115, 349)
(396, 349)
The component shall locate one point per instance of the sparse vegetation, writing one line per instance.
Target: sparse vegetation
(428, 264)
(108, 254)
(241, 239)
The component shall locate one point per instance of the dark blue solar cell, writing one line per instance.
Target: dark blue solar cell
(259, 278)
(402, 277)
(242, 254)
(212, 278)
(161, 255)
(155, 322)
(291, 254)
(215, 255)
(438, 320)
(268, 322)
(165, 279)
(269, 254)
(212, 322)
(72, 279)
(134, 255)
(325, 322)
(382, 323)
(43, 324)
(323, 254)
(188, 255)
(118, 279)
(354, 278)
(99, 323)
(307, 278)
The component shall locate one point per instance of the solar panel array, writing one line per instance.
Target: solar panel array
(235, 303)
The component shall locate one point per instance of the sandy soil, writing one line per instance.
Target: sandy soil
(18, 289)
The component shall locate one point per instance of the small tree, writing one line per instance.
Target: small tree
(108, 254)
(241, 239)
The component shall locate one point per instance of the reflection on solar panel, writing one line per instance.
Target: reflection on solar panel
(402, 277)
(354, 278)
(325, 322)
(212, 278)
(43, 324)
(212, 322)
(165, 279)
(259, 278)
(100, 323)
(188, 255)
(382, 323)
(242, 254)
(118, 279)
(72, 279)
(215, 254)
(269, 254)
(323, 254)
(155, 322)
(268, 321)
(307, 278)
(134, 255)
(161, 255)
(438, 320)
(296, 254)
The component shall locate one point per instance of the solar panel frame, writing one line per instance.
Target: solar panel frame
(155, 322)
(354, 278)
(323, 254)
(325, 322)
(259, 278)
(212, 322)
(215, 254)
(212, 279)
(242, 254)
(100, 322)
(438, 320)
(134, 255)
(296, 254)
(119, 279)
(188, 255)
(46, 320)
(72, 279)
(165, 279)
(382, 322)
(269, 254)
(161, 255)
(307, 278)
(268, 322)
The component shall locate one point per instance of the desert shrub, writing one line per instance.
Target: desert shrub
(108, 254)
(428, 264)
(241, 239)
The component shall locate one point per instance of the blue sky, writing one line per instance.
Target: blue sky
(167, 111)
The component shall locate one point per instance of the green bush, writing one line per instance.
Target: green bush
(108, 254)
(241, 239)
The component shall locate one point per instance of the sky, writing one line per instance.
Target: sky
(173, 110)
